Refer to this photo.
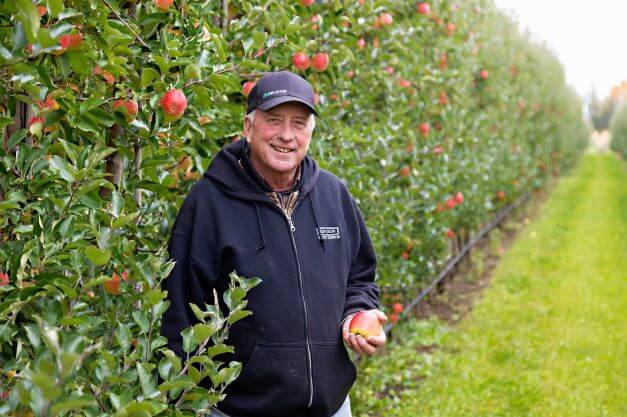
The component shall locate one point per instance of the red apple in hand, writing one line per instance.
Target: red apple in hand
(173, 104)
(320, 61)
(365, 323)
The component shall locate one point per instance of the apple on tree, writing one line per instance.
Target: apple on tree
(248, 85)
(128, 107)
(300, 61)
(173, 104)
(320, 61)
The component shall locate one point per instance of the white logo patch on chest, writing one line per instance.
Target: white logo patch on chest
(328, 232)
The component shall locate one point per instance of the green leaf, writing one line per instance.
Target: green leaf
(48, 386)
(189, 342)
(145, 378)
(148, 75)
(91, 103)
(203, 331)
(55, 7)
(72, 403)
(141, 319)
(218, 349)
(5, 121)
(61, 167)
(238, 315)
(200, 315)
(29, 17)
(96, 255)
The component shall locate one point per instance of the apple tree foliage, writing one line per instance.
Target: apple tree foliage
(413, 110)
(619, 131)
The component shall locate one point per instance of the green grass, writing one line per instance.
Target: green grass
(548, 338)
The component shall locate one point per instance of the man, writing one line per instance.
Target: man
(265, 209)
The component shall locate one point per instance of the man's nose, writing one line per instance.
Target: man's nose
(287, 132)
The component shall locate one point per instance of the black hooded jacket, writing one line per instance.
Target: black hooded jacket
(317, 267)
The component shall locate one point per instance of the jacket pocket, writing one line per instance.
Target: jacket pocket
(273, 381)
(334, 375)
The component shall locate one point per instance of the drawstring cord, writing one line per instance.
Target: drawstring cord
(263, 238)
(313, 209)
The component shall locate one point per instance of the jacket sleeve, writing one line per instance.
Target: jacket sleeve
(190, 279)
(361, 292)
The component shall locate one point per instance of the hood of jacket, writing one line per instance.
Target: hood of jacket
(232, 177)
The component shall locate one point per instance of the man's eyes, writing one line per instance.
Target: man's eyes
(297, 123)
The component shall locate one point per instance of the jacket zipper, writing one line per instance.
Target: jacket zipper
(302, 293)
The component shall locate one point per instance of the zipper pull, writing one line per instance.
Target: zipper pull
(289, 220)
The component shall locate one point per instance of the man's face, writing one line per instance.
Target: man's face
(279, 138)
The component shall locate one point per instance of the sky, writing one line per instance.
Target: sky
(589, 38)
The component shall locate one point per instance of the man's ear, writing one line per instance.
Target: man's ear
(247, 127)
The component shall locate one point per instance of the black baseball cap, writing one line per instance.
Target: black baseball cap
(276, 88)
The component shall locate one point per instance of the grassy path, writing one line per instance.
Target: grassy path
(549, 337)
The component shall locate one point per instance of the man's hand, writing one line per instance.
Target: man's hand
(360, 344)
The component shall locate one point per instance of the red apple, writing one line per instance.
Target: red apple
(127, 106)
(365, 323)
(320, 61)
(424, 8)
(393, 318)
(163, 5)
(450, 29)
(350, 74)
(4, 279)
(424, 129)
(300, 61)
(36, 125)
(451, 203)
(248, 85)
(405, 255)
(361, 43)
(404, 83)
(443, 61)
(450, 234)
(438, 150)
(484, 74)
(306, 3)
(443, 99)
(386, 19)
(48, 104)
(41, 10)
(397, 308)
(173, 104)
(500, 195)
(112, 286)
(106, 75)
(404, 171)
(69, 41)
(459, 198)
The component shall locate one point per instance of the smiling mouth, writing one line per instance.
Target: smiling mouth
(280, 149)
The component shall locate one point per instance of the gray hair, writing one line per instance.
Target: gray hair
(311, 121)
